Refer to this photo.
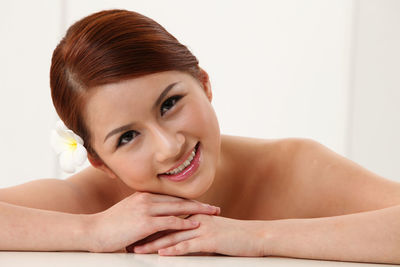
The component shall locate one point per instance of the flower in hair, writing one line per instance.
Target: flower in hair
(69, 148)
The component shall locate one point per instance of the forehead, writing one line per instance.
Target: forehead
(112, 105)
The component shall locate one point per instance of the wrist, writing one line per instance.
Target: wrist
(268, 237)
(274, 234)
(89, 230)
(85, 233)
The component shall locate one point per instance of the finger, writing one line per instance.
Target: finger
(166, 241)
(153, 237)
(185, 247)
(182, 208)
(160, 226)
(155, 197)
(218, 211)
(173, 223)
(148, 239)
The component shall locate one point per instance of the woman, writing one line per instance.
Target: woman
(142, 105)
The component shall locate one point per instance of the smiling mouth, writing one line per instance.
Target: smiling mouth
(184, 164)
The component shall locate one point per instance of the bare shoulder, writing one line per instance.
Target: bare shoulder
(327, 184)
(88, 191)
(99, 189)
(301, 178)
(266, 165)
(265, 153)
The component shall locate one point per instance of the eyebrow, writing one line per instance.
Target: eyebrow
(128, 126)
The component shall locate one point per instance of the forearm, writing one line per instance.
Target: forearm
(372, 236)
(30, 229)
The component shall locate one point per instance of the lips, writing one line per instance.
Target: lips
(187, 156)
(188, 170)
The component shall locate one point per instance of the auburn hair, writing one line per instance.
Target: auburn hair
(107, 47)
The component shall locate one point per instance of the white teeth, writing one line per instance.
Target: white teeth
(184, 164)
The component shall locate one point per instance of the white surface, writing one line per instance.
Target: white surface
(60, 259)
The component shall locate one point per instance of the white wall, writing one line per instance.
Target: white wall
(278, 69)
(375, 135)
(29, 31)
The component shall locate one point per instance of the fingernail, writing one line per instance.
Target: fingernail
(195, 223)
(211, 207)
(215, 208)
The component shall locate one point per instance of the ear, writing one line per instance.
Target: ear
(99, 164)
(205, 81)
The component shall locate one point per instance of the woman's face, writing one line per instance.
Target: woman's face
(144, 127)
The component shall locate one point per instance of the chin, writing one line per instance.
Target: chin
(195, 190)
(192, 195)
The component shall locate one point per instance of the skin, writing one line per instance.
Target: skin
(162, 140)
(272, 196)
(249, 179)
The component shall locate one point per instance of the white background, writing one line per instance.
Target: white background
(327, 70)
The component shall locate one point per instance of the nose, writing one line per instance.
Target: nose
(168, 145)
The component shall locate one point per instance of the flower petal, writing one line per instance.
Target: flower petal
(69, 147)
(57, 142)
(65, 134)
(67, 163)
(60, 125)
(78, 139)
(63, 131)
(79, 154)
(61, 128)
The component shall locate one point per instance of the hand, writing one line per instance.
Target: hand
(141, 215)
(214, 235)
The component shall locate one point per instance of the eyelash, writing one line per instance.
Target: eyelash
(176, 98)
(128, 134)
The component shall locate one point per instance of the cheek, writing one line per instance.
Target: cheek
(133, 172)
(201, 119)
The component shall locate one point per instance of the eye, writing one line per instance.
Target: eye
(169, 103)
(126, 137)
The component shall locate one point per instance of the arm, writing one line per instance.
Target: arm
(361, 210)
(372, 236)
(44, 215)
(53, 214)
(48, 214)
(31, 229)
(136, 217)
(88, 192)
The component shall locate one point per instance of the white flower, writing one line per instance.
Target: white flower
(69, 148)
